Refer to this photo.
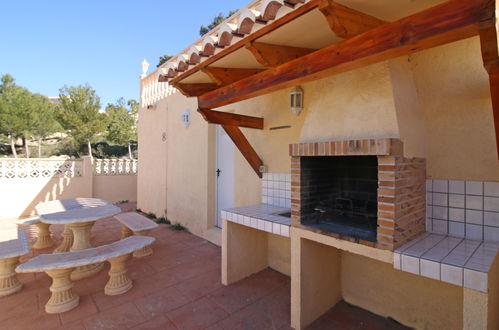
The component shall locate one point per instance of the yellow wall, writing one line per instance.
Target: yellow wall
(115, 188)
(409, 112)
(279, 253)
(190, 167)
(151, 189)
(174, 171)
(454, 92)
(414, 301)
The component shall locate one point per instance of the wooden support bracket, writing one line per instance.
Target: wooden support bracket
(272, 55)
(346, 22)
(244, 147)
(231, 123)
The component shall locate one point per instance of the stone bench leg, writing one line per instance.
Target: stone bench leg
(67, 241)
(146, 250)
(9, 283)
(43, 240)
(125, 232)
(81, 233)
(119, 282)
(63, 299)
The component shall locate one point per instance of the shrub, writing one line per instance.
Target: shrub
(177, 227)
(163, 220)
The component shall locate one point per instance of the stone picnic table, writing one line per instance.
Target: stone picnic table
(44, 240)
(78, 216)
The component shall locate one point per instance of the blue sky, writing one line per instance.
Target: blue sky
(48, 44)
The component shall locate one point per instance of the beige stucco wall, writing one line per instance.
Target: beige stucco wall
(115, 188)
(279, 253)
(190, 164)
(454, 92)
(368, 280)
(151, 176)
(174, 169)
(414, 301)
(18, 197)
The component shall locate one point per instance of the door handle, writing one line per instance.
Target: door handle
(218, 172)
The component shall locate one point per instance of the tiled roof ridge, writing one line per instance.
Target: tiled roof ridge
(240, 24)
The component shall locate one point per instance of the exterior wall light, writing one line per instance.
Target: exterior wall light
(144, 66)
(186, 118)
(296, 98)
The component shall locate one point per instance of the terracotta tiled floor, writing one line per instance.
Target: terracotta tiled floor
(176, 288)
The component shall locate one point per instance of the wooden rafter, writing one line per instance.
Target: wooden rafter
(346, 22)
(451, 21)
(490, 54)
(231, 119)
(271, 56)
(194, 89)
(305, 8)
(227, 76)
(244, 147)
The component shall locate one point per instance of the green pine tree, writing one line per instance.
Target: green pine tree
(44, 121)
(79, 114)
(122, 128)
(12, 124)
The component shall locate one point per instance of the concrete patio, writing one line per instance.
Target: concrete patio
(176, 288)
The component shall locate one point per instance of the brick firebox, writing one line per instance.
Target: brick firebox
(401, 193)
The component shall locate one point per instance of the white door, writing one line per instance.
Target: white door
(224, 173)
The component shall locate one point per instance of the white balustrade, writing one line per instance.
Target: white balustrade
(33, 168)
(115, 166)
(154, 91)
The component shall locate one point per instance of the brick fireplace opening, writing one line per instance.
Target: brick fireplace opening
(362, 191)
(342, 195)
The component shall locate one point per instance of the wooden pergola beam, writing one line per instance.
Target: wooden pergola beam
(194, 89)
(346, 22)
(227, 76)
(272, 56)
(231, 119)
(244, 147)
(489, 42)
(451, 21)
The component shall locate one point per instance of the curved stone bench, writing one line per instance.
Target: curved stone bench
(59, 267)
(135, 224)
(13, 244)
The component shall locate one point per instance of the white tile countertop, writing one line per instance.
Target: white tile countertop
(455, 260)
(263, 217)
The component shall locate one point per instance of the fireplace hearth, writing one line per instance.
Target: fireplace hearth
(363, 191)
